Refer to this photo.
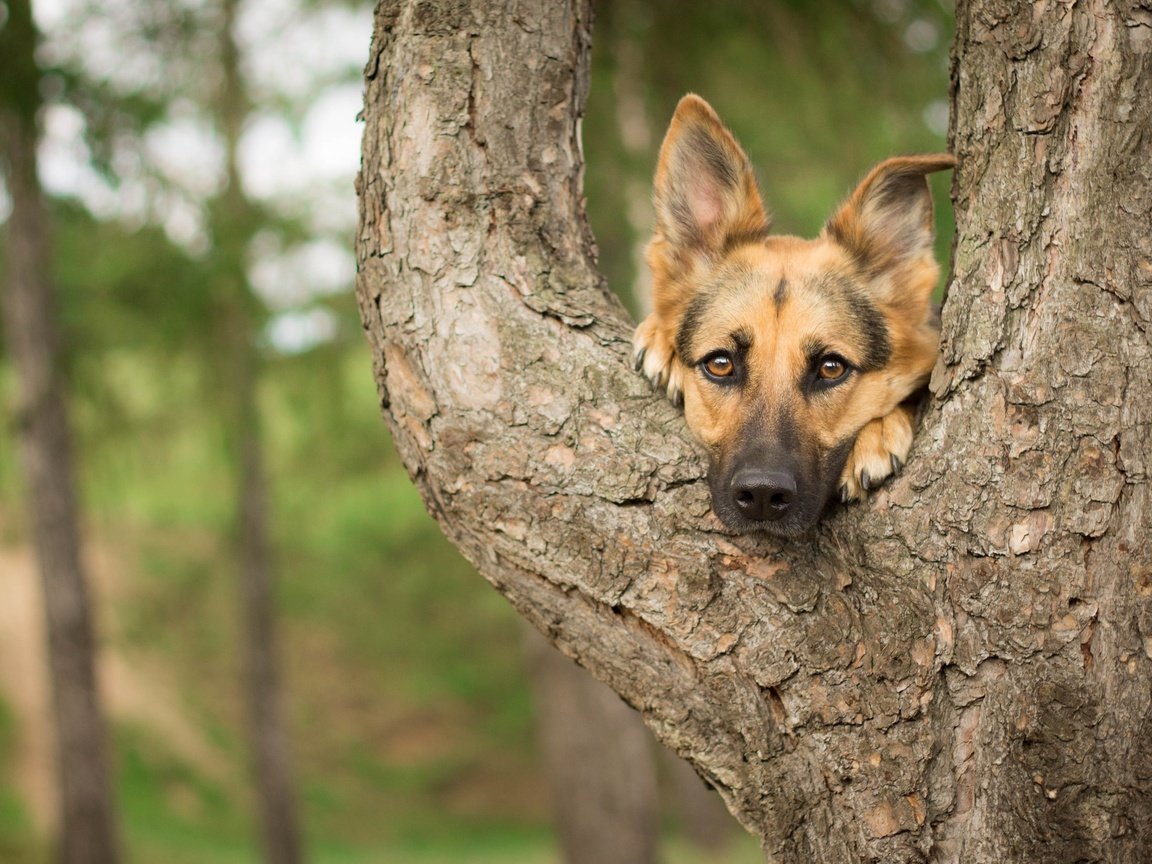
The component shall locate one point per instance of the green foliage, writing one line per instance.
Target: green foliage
(171, 811)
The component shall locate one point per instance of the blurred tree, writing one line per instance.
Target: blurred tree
(958, 671)
(209, 314)
(87, 832)
(600, 762)
(697, 808)
(233, 224)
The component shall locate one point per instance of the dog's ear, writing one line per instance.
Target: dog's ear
(706, 196)
(887, 220)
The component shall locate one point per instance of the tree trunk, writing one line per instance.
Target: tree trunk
(600, 763)
(87, 821)
(234, 226)
(1038, 451)
(958, 670)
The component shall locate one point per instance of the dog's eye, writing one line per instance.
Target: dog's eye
(719, 366)
(832, 368)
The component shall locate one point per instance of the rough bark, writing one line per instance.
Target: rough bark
(235, 224)
(1038, 452)
(600, 761)
(958, 670)
(87, 832)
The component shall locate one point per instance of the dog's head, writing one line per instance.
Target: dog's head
(787, 347)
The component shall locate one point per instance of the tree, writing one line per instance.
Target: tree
(234, 224)
(87, 830)
(957, 671)
(600, 763)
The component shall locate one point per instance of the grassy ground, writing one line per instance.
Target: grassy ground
(173, 816)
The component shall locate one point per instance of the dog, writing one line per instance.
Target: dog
(794, 360)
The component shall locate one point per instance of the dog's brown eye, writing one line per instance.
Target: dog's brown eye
(719, 366)
(832, 369)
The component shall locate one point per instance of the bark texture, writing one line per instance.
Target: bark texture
(957, 671)
(1038, 456)
(87, 832)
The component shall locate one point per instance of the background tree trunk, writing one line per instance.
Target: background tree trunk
(234, 223)
(600, 762)
(957, 671)
(700, 813)
(87, 832)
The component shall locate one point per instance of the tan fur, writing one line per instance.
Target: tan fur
(720, 280)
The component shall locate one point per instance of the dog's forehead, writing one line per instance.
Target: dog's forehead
(803, 264)
(784, 284)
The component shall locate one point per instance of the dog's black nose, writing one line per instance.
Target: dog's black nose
(763, 495)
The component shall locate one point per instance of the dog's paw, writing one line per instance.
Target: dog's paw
(880, 450)
(654, 355)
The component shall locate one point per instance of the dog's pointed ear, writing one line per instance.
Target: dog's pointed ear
(887, 220)
(706, 196)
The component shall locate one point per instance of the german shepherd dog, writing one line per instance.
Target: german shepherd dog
(794, 359)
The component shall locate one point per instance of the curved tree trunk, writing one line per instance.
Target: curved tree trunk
(957, 671)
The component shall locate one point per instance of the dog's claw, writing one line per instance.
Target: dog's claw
(638, 359)
(896, 463)
(843, 493)
(677, 398)
(865, 481)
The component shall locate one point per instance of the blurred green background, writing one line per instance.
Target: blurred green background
(404, 675)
